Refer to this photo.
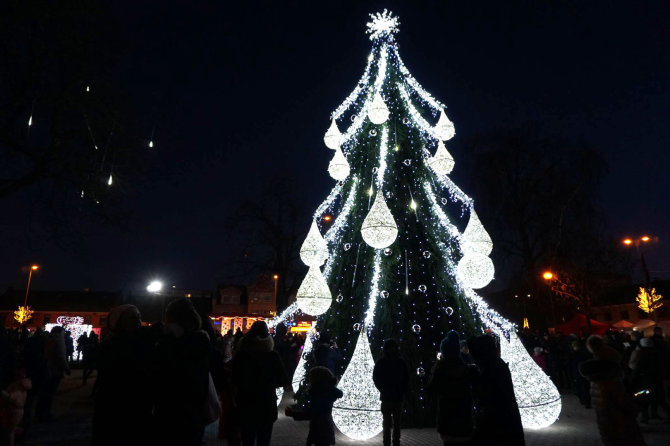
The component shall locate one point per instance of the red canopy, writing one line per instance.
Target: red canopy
(578, 326)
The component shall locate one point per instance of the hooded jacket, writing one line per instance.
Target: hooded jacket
(257, 372)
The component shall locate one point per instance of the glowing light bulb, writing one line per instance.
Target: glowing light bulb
(30, 121)
(109, 180)
(371, 191)
(412, 205)
(88, 88)
(151, 144)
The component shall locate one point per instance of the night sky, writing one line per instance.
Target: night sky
(240, 92)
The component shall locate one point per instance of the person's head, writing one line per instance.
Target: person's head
(124, 319)
(450, 347)
(600, 350)
(280, 331)
(182, 313)
(391, 348)
(636, 335)
(57, 331)
(464, 347)
(658, 331)
(320, 376)
(483, 349)
(259, 329)
(646, 342)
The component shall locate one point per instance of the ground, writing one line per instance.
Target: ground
(73, 411)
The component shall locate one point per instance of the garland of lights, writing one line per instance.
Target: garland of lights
(465, 255)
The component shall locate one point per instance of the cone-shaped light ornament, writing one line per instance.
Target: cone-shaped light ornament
(314, 250)
(475, 239)
(314, 296)
(299, 374)
(538, 399)
(378, 112)
(476, 270)
(339, 166)
(333, 137)
(442, 162)
(444, 127)
(358, 413)
(379, 229)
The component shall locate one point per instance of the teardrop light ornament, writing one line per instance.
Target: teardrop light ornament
(314, 250)
(537, 397)
(475, 239)
(476, 270)
(358, 413)
(339, 166)
(379, 229)
(299, 373)
(314, 296)
(444, 127)
(333, 137)
(442, 162)
(378, 112)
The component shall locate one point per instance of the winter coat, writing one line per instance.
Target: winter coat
(497, 417)
(321, 426)
(451, 381)
(180, 379)
(55, 356)
(122, 403)
(257, 372)
(615, 411)
(391, 378)
(326, 356)
(648, 369)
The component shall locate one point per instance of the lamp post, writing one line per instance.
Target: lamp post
(30, 276)
(275, 278)
(637, 242)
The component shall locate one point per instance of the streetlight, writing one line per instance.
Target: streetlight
(276, 278)
(30, 276)
(548, 275)
(637, 242)
(155, 286)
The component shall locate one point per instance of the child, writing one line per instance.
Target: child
(322, 394)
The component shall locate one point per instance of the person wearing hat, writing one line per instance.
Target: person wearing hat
(326, 354)
(451, 382)
(257, 373)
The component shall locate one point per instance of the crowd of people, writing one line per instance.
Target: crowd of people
(167, 381)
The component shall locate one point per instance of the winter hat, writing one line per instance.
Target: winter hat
(450, 347)
(647, 342)
(259, 329)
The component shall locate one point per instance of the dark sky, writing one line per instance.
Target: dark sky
(245, 90)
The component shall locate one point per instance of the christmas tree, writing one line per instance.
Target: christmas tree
(396, 250)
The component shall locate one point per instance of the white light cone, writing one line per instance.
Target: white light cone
(444, 127)
(338, 168)
(475, 239)
(333, 137)
(538, 399)
(378, 112)
(358, 413)
(442, 162)
(314, 296)
(379, 229)
(314, 250)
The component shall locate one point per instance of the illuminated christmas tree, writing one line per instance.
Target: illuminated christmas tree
(401, 250)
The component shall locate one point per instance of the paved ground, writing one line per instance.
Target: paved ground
(73, 410)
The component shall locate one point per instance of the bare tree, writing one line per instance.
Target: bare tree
(268, 233)
(66, 137)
